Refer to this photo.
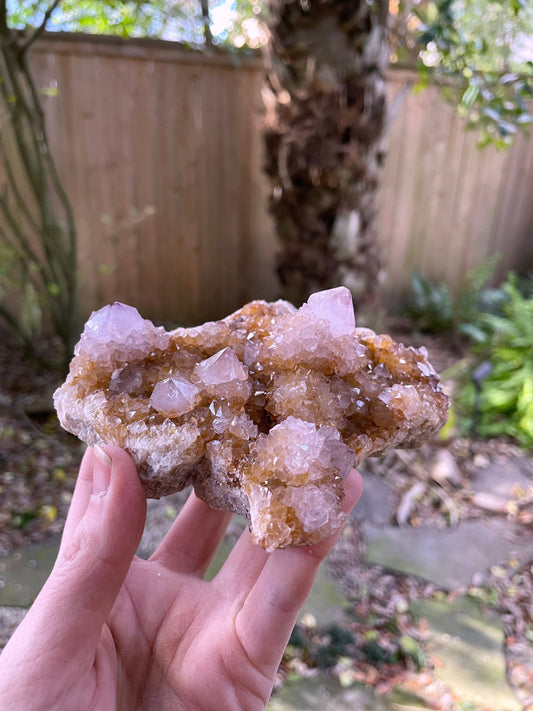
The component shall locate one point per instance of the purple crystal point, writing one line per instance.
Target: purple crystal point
(223, 367)
(336, 307)
(112, 326)
(174, 396)
(114, 322)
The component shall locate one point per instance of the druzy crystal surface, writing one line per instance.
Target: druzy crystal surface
(264, 412)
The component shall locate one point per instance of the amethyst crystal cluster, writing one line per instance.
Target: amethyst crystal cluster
(264, 412)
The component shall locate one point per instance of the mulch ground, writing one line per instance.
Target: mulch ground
(38, 460)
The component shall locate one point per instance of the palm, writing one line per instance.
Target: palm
(175, 639)
(111, 631)
(203, 645)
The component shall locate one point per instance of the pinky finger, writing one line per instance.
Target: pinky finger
(268, 615)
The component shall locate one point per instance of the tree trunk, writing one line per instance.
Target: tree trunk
(325, 115)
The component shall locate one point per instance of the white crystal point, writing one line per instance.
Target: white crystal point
(223, 367)
(336, 307)
(174, 396)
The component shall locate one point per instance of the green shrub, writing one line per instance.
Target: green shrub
(430, 307)
(505, 341)
(433, 309)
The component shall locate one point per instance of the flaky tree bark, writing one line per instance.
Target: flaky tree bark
(325, 115)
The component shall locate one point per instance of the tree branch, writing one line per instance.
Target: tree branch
(56, 182)
(41, 235)
(208, 37)
(3, 17)
(11, 320)
(12, 182)
(23, 49)
(23, 244)
(14, 108)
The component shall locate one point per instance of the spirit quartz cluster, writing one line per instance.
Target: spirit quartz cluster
(264, 412)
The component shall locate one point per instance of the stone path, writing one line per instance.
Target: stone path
(468, 646)
(466, 641)
(450, 557)
(323, 694)
(23, 573)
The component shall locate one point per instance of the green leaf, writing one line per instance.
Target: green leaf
(51, 91)
(469, 97)
(492, 113)
(507, 394)
(509, 77)
(475, 332)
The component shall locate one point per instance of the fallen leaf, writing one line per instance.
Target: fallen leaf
(48, 512)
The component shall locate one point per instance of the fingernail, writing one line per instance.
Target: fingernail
(101, 471)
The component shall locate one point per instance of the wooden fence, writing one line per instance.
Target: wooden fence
(160, 151)
(445, 205)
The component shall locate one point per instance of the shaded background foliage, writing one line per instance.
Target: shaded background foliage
(482, 53)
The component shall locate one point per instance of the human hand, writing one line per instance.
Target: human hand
(111, 631)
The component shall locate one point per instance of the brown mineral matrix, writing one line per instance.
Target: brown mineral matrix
(264, 412)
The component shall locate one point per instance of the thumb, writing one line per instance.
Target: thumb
(101, 535)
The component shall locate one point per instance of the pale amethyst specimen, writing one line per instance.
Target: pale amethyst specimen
(114, 322)
(264, 412)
